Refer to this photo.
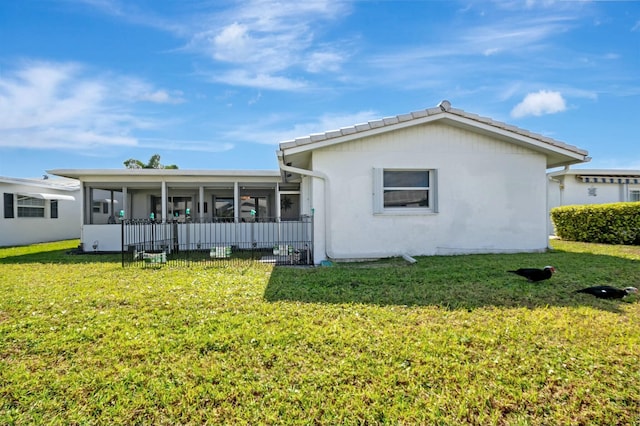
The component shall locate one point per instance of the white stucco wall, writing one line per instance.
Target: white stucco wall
(30, 230)
(574, 191)
(491, 196)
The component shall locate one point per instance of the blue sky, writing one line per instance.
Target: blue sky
(216, 84)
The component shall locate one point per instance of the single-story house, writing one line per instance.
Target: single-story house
(38, 210)
(592, 186)
(434, 181)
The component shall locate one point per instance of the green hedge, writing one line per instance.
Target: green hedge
(614, 223)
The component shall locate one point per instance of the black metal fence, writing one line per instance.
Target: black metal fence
(150, 243)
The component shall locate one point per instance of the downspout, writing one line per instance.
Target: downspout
(318, 175)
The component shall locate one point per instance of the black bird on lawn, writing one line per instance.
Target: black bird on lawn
(535, 274)
(608, 292)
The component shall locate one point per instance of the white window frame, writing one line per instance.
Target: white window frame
(379, 188)
(634, 195)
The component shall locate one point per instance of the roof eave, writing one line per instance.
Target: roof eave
(535, 141)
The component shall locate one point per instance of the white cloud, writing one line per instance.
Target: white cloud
(232, 44)
(186, 145)
(270, 130)
(539, 103)
(244, 78)
(59, 105)
(162, 97)
(324, 61)
(261, 40)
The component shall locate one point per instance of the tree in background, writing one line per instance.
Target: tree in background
(154, 163)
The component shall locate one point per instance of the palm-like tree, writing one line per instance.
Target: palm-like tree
(154, 163)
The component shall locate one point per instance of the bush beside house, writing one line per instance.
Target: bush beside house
(613, 223)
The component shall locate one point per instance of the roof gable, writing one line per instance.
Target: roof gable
(559, 153)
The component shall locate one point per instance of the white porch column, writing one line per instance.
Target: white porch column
(277, 202)
(89, 205)
(125, 204)
(236, 201)
(201, 203)
(163, 194)
(83, 201)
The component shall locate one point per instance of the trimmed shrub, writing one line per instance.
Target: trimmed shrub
(613, 223)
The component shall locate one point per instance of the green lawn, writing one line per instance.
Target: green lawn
(448, 340)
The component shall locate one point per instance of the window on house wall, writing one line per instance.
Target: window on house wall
(253, 208)
(634, 195)
(105, 205)
(54, 209)
(223, 210)
(290, 206)
(179, 207)
(205, 209)
(8, 206)
(404, 191)
(176, 207)
(30, 207)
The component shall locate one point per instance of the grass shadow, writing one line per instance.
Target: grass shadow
(60, 252)
(459, 282)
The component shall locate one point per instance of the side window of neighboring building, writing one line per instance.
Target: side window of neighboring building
(634, 195)
(8, 206)
(30, 207)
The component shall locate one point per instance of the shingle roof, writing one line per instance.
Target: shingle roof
(443, 110)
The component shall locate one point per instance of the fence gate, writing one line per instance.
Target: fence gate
(151, 243)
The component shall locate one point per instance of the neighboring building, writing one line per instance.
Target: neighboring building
(435, 181)
(38, 210)
(592, 186)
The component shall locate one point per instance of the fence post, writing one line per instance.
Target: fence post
(122, 241)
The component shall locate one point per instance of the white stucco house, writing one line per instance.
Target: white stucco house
(571, 186)
(593, 186)
(38, 210)
(434, 181)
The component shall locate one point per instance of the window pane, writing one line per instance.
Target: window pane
(105, 205)
(30, 212)
(250, 203)
(8, 205)
(634, 195)
(178, 206)
(290, 207)
(412, 198)
(223, 207)
(29, 201)
(406, 179)
(54, 209)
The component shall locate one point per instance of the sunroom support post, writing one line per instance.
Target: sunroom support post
(201, 203)
(83, 210)
(125, 204)
(236, 202)
(89, 206)
(163, 194)
(277, 215)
